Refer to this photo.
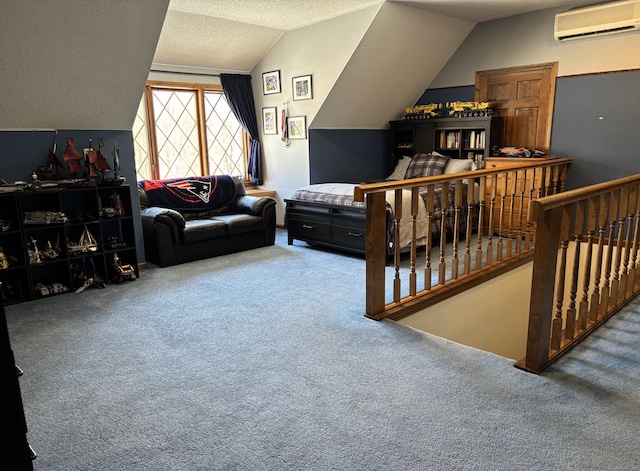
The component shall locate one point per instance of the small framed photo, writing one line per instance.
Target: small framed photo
(302, 88)
(271, 82)
(270, 120)
(297, 127)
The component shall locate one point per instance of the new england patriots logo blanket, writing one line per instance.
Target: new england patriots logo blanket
(191, 193)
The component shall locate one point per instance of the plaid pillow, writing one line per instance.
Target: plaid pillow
(426, 165)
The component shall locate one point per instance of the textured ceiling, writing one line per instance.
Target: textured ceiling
(211, 36)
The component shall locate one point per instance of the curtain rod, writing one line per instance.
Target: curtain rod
(191, 72)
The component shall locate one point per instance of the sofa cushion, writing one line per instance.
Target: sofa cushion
(241, 223)
(198, 230)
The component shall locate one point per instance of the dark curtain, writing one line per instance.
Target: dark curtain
(237, 90)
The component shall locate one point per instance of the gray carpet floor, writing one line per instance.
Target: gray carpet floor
(263, 360)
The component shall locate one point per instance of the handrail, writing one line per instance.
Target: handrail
(486, 231)
(585, 265)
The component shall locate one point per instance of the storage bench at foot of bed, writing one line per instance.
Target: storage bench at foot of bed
(326, 224)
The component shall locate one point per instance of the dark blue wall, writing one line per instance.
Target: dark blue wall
(348, 155)
(21, 152)
(596, 122)
(443, 95)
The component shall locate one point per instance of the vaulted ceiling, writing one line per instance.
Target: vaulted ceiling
(233, 35)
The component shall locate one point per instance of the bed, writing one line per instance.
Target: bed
(325, 214)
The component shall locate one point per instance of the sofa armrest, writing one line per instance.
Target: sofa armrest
(253, 205)
(172, 219)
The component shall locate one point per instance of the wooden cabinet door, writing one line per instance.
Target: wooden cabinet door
(524, 97)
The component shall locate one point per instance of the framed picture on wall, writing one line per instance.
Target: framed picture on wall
(302, 88)
(271, 82)
(270, 120)
(297, 127)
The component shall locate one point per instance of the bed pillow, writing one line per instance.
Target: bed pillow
(401, 169)
(426, 165)
(458, 165)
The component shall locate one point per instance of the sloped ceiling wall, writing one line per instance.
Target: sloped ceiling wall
(403, 49)
(75, 65)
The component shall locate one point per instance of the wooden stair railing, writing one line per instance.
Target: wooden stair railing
(481, 235)
(585, 265)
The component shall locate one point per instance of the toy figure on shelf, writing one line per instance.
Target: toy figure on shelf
(432, 110)
(123, 271)
(87, 278)
(469, 109)
(73, 158)
(116, 179)
(86, 243)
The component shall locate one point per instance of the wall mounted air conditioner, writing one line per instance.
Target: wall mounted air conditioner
(608, 18)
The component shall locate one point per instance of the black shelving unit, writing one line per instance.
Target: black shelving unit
(42, 228)
(458, 138)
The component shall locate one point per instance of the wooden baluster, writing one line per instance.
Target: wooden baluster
(457, 205)
(592, 223)
(535, 175)
(617, 266)
(554, 179)
(624, 277)
(415, 198)
(513, 182)
(633, 274)
(563, 177)
(469, 224)
(397, 211)
(556, 325)
(548, 191)
(503, 198)
(522, 184)
(542, 182)
(430, 206)
(481, 209)
(580, 214)
(442, 267)
(605, 201)
(605, 294)
(492, 205)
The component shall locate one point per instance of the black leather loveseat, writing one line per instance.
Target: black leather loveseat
(199, 217)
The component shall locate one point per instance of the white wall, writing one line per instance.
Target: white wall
(403, 50)
(322, 50)
(366, 67)
(528, 39)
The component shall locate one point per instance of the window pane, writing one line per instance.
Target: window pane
(225, 137)
(176, 133)
(176, 124)
(141, 143)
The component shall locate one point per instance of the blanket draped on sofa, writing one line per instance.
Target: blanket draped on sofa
(191, 193)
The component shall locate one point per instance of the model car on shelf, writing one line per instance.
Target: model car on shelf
(467, 109)
(512, 151)
(432, 110)
(45, 217)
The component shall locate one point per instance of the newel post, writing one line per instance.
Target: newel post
(376, 254)
(545, 258)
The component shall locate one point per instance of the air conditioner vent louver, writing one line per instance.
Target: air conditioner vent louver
(608, 18)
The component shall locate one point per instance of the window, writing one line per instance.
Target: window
(182, 130)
